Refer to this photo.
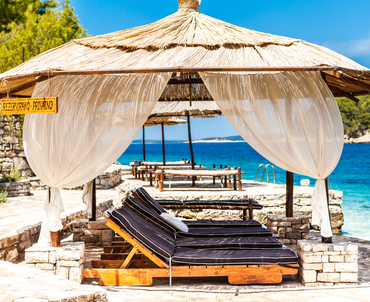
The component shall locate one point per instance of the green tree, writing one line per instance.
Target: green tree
(14, 10)
(355, 116)
(38, 33)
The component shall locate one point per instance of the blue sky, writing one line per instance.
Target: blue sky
(341, 25)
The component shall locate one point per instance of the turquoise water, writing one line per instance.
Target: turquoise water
(352, 175)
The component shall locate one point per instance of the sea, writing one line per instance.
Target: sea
(351, 176)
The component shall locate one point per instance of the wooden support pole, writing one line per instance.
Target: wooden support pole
(289, 193)
(93, 202)
(229, 178)
(250, 210)
(144, 144)
(54, 236)
(327, 239)
(214, 178)
(240, 178)
(191, 148)
(163, 149)
(161, 180)
(234, 177)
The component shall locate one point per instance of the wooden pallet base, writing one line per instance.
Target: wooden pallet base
(237, 274)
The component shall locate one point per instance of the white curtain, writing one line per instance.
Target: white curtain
(98, 118)
(290, 118)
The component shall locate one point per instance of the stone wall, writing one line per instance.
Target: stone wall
(13, 248)
(273, 204)
(66, 261)
(95, 233)
(11, 146)
(17, 188)
(329, 264)
(289, 229)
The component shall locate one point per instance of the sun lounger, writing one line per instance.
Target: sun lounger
(157, 220)
(242, 204)
(156, 254)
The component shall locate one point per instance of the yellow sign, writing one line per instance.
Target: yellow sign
(29, 105)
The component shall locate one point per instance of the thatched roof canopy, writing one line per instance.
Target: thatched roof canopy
(189, 41)
(166, 120)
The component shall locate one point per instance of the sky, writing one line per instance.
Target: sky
(341, 25)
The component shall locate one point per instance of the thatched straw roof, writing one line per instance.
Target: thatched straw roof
(166, 120)
(203, 109)
(189, 39)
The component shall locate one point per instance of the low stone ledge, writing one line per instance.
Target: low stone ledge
(330, 264)
(66, 261)
(92, 232)
(17, 188)
(289, 229)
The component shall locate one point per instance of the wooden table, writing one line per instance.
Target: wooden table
(235, 173)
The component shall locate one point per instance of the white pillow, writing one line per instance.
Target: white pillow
(176, 223)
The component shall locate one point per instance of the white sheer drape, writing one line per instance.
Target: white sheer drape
(290, 118)
(98, 118)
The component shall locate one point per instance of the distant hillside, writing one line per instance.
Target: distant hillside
(227, 138)
(208, 139)
(157, 141)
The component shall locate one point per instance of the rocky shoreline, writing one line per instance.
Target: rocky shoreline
(364, 139)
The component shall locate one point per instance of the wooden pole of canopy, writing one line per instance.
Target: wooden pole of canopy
(54, 236)
(191, 147)
(93, 202)
(163, 149)
(143, 143)
(289, 193)
(327, 239)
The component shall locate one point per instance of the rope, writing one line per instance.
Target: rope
(50, 71)
(4, 83)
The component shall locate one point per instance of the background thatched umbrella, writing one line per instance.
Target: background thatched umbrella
(185, 107)
(163, 121)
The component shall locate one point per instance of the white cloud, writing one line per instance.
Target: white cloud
(351, 48)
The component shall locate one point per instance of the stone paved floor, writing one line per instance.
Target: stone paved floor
(22, 284)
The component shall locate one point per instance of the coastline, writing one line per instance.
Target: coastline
(365, 139)
(216, 141)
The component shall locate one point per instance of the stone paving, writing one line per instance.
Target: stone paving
(23, 284)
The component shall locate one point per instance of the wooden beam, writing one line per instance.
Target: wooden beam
(185, 69)
(185, 81)
(17, 89)
(127, 261)
(289, 193)
(336, 74)
(342, 93)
